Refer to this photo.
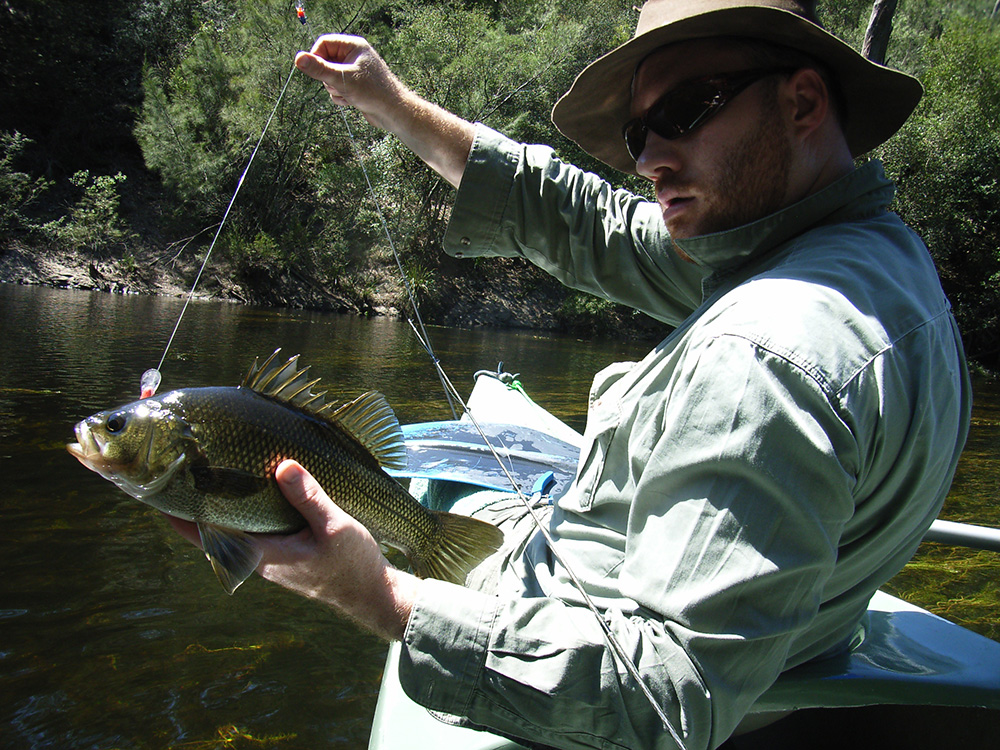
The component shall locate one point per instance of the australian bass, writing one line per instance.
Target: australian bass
(208, 455)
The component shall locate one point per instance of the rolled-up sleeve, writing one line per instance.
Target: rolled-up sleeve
(521, 201)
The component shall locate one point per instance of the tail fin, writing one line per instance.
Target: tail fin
(461, 545)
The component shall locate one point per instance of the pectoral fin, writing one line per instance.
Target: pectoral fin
(233, 554)
(221, 481)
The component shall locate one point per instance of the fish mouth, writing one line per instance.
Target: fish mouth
(85, 447)
(87, 450)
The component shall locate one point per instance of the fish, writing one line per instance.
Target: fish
(208, 455)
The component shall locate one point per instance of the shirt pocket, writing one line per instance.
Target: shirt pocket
(602, 423)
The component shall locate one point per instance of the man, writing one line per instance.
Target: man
(747, 486)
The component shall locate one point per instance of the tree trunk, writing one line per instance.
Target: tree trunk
(879, 28)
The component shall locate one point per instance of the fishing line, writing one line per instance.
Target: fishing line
(424, 339)
(151, 378)
(422, 336)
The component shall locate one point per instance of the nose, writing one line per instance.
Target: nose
(658, 156)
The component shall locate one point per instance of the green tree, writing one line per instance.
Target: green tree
(94, 223)
(944, 163)
(487, 61)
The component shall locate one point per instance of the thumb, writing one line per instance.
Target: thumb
(304, 493)
(329, 74)
(312, 65)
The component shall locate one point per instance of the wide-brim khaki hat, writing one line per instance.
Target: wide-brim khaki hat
(592, 113)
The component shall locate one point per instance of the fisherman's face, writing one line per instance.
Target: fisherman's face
(733, 169)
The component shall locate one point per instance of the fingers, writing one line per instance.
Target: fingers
(353, 74)
(324, 72)
(186, 529)
(331, 59)
(330, 530)
(334, 559)
(340, 48)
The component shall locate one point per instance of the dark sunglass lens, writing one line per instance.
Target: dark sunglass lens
(671, 116)
(684, 109)
(635, 138)
(678, 112)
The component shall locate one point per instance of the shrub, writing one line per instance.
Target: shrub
(94, 222)
(18, 190)
(944, 164)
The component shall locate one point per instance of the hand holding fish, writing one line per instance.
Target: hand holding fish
(354, 74)
(336, 560)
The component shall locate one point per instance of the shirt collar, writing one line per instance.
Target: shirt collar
(864, 192)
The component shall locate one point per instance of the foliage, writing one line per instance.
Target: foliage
(182, 125)
(486, 61)
(94, 223)
(72, 72)
(18, 190)
(944, 159)
(581, 311)
(944, 162)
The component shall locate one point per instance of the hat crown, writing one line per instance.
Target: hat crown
(656, 13)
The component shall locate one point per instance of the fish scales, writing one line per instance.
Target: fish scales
(209, 454)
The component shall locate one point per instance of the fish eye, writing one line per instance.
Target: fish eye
(116, 423)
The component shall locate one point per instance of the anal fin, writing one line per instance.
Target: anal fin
(233, 554)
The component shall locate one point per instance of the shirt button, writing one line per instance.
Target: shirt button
(466, 241)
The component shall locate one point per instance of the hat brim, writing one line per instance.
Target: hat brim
(596, 107)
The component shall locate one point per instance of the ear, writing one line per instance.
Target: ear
(808, 101)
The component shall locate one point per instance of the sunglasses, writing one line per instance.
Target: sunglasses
(689, 106)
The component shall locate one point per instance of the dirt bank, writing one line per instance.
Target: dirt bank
(503, 293)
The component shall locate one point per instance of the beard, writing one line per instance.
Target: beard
(750, 180)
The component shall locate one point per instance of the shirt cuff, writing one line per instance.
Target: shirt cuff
(483, 194)
(444, 647)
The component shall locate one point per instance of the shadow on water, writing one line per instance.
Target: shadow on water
(114, 632)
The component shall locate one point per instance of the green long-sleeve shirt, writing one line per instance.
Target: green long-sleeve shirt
(742, 491)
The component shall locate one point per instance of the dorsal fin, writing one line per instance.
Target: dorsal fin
(285, 382)
(369, 418)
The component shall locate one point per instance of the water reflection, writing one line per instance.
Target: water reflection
(115, 633)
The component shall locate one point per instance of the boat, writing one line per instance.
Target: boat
(915, 680)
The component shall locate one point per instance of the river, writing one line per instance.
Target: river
(114, 633)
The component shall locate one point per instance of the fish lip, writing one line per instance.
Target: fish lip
(87, 449)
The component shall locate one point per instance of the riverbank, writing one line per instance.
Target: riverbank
(502, 293)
